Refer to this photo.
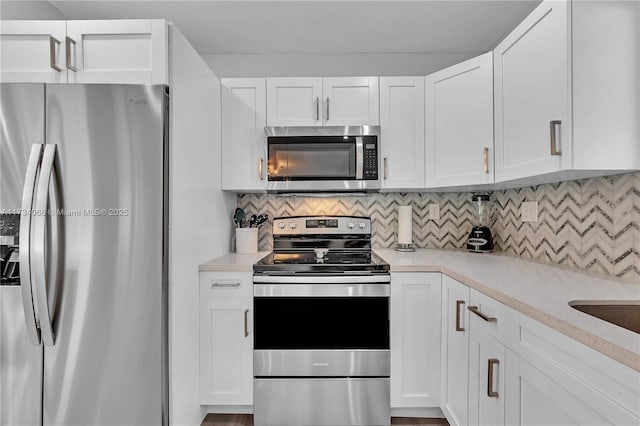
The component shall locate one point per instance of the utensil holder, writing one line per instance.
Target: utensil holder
(246, 240)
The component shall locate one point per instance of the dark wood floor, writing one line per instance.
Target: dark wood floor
(247, 420)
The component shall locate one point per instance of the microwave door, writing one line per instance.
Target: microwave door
(306, 160)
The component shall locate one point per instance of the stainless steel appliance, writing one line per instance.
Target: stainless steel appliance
(321, 326)
(323, 159)
(480, 239)
(83, 197)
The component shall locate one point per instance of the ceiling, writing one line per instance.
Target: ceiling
(317, 27)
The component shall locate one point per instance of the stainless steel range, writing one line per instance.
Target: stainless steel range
(321, 326)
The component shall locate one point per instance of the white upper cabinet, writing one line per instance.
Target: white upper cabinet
(117, 51)
(243, 137)
(566, 97)
(351, 101)
(402, 132)
(459, 124)
(111, 51)
(294, 101)
(317, 101)
(33, 51)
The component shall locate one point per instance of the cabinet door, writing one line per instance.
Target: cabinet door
(455, 351)
(226, 351)
(415, 340)
(32, 51)
(486, 378)
(402, 131)
(294, 101)
(243, 138)
(118, 51)
(532, 90)
(351, 101)
(537, 397)
(459, 125)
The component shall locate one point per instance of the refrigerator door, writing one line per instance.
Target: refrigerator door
(21, 125)
(106, 365)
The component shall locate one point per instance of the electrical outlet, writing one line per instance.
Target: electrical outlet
(434, 211)
(529, 211)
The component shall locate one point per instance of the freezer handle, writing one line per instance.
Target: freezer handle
(25, 244)
(47, 207)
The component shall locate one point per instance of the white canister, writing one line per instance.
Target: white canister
(246, 240)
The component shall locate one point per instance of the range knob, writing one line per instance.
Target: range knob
(293, 225)
(361, 225)
(281, 225)
(351, 225)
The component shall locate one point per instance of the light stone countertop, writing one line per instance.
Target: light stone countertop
(537, 290)
(540, 291)
(233, 262)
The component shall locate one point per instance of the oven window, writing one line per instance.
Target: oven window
(321, 323)
(322, 158)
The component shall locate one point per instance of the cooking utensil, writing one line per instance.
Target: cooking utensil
(261, 219)
(252, 221)
(238, 217)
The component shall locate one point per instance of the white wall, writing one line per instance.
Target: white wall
(200, 215)
(29, 10)
(331, 65)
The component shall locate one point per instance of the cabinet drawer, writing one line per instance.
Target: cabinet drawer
(488, 314)
(226, 284)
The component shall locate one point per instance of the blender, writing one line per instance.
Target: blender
(480, 239)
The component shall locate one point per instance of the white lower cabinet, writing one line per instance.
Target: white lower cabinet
(415, 340)
(455, 351)
(555, 380)
(226, 339)
(486, 378)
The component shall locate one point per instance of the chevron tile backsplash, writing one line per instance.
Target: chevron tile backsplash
(591, 224)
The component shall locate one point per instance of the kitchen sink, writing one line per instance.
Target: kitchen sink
(623, 313)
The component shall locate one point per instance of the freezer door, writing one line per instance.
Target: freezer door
(21, 125)
(106, 366)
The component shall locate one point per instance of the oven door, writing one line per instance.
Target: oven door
(321, 329)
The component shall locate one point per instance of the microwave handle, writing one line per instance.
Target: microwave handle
(359, 157)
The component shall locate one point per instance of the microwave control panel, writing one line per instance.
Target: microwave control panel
(370, 167)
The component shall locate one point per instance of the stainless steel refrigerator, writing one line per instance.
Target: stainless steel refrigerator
(83, 244)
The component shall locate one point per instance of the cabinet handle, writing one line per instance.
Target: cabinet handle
(458, 304)
(68, 42)
(317, 108)
(476, 311)
(385, 167)
(246, 322)
(260, 168)
(490, 392)
(223, 285)
(553, 126)
(53, 42)
(485, 159)
(327, 118)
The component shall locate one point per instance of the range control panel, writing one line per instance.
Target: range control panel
(301, 225)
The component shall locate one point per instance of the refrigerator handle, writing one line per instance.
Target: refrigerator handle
(24, 250)
(47, 206)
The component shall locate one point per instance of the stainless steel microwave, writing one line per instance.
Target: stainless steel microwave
(319, 159)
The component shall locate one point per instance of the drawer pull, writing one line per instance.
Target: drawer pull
(246, 322)
(68, 42)
(223, 285)
(490, 392)
(459, 303)
(476, 311)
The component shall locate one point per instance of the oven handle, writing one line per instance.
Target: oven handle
(323, 290)
(332, 279)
